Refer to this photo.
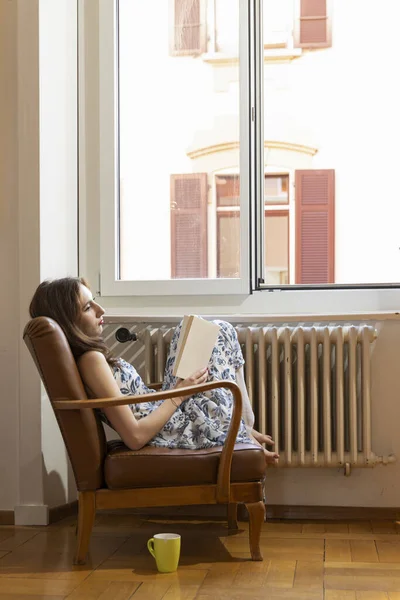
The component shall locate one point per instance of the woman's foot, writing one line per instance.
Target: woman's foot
(271, 458)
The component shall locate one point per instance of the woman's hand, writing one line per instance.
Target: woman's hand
(196, 379)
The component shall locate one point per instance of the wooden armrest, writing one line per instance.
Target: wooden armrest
(138, 399)
(225, 463)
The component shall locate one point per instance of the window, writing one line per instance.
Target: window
(277, 247)
(171, 120)
(313, 24)
(248, 161)
(276, 257)
(189, 226)
(276, 189)
(188, 34)
(277, 230)
(315, 227)
(228, 221)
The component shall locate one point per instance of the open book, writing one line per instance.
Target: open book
(195, 345)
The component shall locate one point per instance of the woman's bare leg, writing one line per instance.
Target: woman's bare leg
(247, 410)
(248, 418)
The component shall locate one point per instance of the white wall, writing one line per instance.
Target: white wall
(9, 310)
(29, 505)
(38, 237)
(37, 201)
(58, 198)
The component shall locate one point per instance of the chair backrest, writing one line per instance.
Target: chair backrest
(82, 430)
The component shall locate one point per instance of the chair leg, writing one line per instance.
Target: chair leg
(256, 518)
(86, 514)
(232, 516)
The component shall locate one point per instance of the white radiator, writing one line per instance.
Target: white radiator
(309, 387)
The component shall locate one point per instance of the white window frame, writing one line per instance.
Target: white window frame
(109, 284)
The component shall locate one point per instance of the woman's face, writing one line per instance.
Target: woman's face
(90, 319)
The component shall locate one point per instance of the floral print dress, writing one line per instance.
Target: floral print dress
(202, 421)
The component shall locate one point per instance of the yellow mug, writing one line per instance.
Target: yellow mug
(165, 548)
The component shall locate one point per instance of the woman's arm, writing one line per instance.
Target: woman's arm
(96, 375)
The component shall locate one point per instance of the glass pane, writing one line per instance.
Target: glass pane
(332, 124)
(276, 248)
(228, 252)
(228, 190)
(179, 136)
(276, 189)
(277, 23)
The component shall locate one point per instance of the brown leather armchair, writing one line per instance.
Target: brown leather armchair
(110, 476)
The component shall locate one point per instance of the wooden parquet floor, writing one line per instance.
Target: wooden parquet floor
(302, 561)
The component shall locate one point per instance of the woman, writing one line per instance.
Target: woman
(198, 421)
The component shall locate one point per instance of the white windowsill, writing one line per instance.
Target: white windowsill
(378, 316)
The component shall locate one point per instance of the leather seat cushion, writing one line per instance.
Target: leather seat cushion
(152, 467)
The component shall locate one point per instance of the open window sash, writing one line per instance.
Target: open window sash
(111, 283)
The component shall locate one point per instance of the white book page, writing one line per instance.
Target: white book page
(198, 348)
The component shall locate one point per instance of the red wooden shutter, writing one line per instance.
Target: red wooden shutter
(313, 24)
(189, 34)
(315, 226)
(189, 225)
